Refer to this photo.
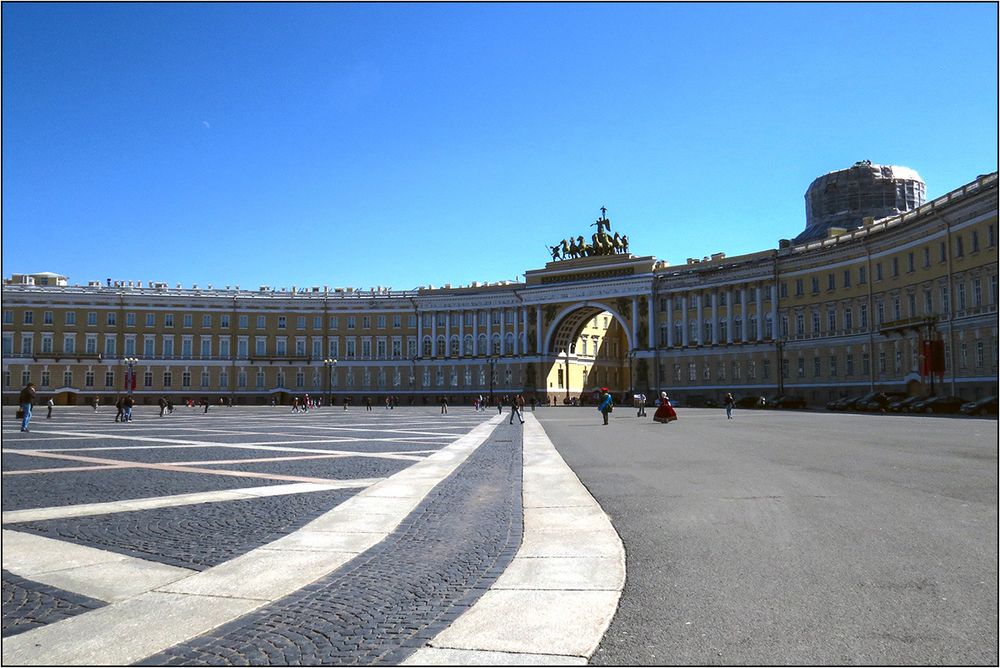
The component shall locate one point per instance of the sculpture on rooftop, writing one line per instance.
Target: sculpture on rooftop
(601, 242)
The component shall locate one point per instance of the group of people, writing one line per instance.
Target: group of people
(665, 413)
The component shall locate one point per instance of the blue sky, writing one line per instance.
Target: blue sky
(404, 144)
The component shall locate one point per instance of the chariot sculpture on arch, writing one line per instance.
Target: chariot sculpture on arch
(601, 242)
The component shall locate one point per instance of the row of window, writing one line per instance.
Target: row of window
(381, 378)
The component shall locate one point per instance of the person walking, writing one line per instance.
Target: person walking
(127, 405)
(170, 406)
(206, 402)
(50, 404)
(444, 405)
(606, 404)
(26, 400)
(97, 401)
(730, 404)
(368, 403)
(120, 405)
(665, 412)
(515, 409)
(163, 405)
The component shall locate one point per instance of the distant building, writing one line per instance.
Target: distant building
(842, 314)
(45, 278)
(842, 200)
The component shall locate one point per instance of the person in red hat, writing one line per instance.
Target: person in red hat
(605, 404)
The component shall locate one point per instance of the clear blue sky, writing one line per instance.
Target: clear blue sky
(403, 144)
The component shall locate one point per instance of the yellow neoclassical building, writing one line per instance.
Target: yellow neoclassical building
(846, 307)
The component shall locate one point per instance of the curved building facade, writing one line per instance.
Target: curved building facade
(843, 314)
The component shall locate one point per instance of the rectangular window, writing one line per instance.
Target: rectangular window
(831, 282)
(334, 322)
(801, 367)
(816, 367)
(91, 318)
(112, 319)
(692, 371)
(397, 320)
(765, 369)
(148, 344)
(261, 322)
(260, 346)
(206, 321)
(910, 262)
(831, 321)
(224, 321)
(878, 271)
(168, 319)
(186, 379)
(848, 318)
(380, 322)
(849, 364)
(281, 322)
(959, 246)
(317, 322)
(863, 315)
(244, 322)
(206, 347)
(865, 364)
(862, 275)
(90, 344)
(799, 290)
(69, 343)
(150, 320)
(130, 319)
(67, 379)
(895, 266)
(224, 347)
(833, 366)
(300, 322)
(70, 317)
(46, 343)
(188, 320)
(109, 346)
(351, 322)
(8, 317)
(847, 278)
(168, 379)
(109, 379)
(46, 317)
(927, 256)
(168, 347)
(204, 379)
(928, 302)
(815, 284)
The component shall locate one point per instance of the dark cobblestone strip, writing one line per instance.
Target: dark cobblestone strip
(196, 536)
(384, 604)
(28, 605)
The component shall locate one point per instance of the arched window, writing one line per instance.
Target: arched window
(427, 346)
(483, 348)
(453, 351)
(468, 345)
(509, 344)
(441, 350)
(495, 350)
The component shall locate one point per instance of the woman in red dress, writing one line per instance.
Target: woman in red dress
(665, 413)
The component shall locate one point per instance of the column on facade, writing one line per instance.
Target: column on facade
(447, 333)
(489, 331)
(685, 338)
(514, 324)
(420, 334)
(503, 329)
(699, 322)
(524, 328)
(650, 322)
(670, 321)
(775, 332)
(633, 339)
(475, 333)
(434, 334)
(461, 333)
(729, 315)
(760, 313)
(743, 313)
(538, 329)
(715, 318)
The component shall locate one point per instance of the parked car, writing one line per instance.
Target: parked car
(748, 402)
(903, 405)
(987, 406)
(880, 401)
(786, 401)
(945, 404)
(850, 403)
(701, 401)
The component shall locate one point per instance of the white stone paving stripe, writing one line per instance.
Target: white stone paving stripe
(124, 632)
(86, 509)
(558, 596)
(106, 576)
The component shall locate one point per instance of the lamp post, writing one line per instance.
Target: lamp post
(780, 345)
(493, 361)
(631, 371)
(130, 362)
(329, 363)
(413, 377)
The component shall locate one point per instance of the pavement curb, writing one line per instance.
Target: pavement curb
(557, 598)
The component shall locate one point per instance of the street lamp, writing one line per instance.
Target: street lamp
(493, 361)
(130, 362)
(329, 363)
(780, 345)
(413, 377)
(631, 371)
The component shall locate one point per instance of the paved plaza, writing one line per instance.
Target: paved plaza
(253, 535)
(261, 536)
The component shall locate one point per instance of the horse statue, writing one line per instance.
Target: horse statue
(616, 243)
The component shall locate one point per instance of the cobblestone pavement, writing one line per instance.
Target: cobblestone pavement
(28, 605)
(387, 602)
(194, 536)
(82, 457)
